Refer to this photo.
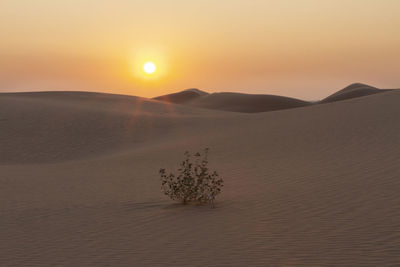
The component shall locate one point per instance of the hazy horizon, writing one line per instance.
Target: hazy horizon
(305, 49)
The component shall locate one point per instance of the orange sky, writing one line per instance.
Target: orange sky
(305, 49)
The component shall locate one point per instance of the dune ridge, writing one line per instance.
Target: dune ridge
(352, 91)
(247, 103)
(251, 103)
(182, 97)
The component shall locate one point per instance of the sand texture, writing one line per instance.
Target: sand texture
(310, 186)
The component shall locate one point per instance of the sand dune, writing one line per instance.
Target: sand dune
(236, 102)
(352, 91)
(310, 186)
(58, 126)
(250, 103)
(246, 102)
(184, 96)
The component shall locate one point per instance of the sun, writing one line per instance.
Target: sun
(149, 67)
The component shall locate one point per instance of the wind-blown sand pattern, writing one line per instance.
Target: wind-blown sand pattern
(310, 186)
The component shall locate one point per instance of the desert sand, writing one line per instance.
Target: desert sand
(250, 103)
(316, 185)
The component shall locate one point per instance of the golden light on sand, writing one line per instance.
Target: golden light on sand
(149, 67)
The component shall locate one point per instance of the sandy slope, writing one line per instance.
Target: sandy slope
(246, 102)
(309, 186)
(352, 91)
(236, 102)
(182, 97)
(252, 103)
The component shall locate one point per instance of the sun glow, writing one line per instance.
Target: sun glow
(149, 67)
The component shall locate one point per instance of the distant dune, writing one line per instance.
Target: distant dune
(352, 91)
(246, 102)
(251, 103)
(236, 102)
(182, 97)
(313, 186)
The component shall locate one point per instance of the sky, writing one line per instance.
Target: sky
(306, 49)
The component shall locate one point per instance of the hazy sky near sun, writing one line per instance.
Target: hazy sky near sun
(305, 49)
